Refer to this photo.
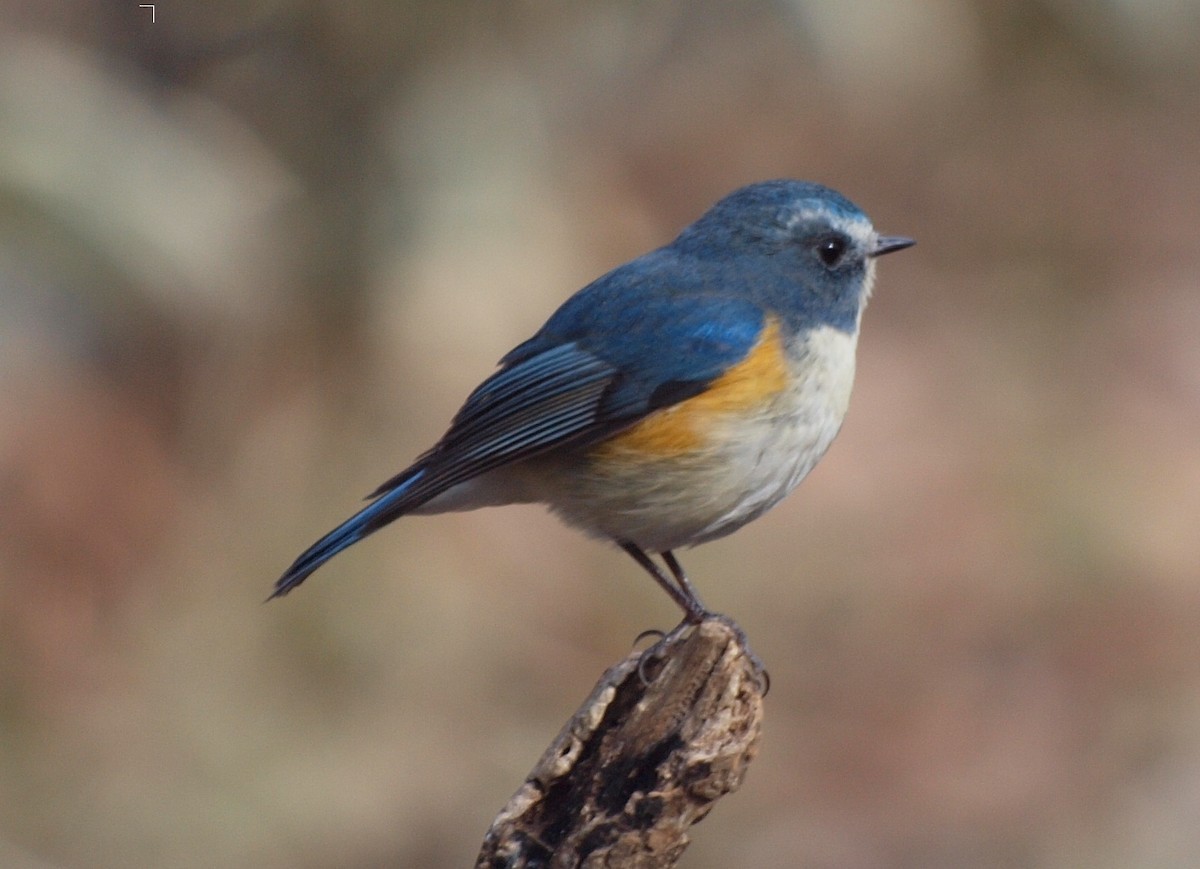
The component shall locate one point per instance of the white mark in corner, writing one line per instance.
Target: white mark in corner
(149, 6)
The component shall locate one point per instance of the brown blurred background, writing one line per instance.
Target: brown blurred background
(253, 256)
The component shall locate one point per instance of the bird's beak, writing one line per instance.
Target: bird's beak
(888, 243)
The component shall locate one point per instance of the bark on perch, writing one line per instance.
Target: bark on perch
(666, 733)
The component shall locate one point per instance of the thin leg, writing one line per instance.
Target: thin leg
(680, 590)
(684, 583)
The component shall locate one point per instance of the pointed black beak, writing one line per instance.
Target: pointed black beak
(889, 243)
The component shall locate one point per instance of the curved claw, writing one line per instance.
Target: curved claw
(650, 632)
(649, 657)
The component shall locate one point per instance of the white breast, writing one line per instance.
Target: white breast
(752, 462)
(769, 456)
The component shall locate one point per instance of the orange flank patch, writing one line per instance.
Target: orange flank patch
(681, 428)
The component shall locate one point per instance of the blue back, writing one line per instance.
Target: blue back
(686, 312)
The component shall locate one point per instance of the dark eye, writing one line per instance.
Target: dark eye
(831, 249)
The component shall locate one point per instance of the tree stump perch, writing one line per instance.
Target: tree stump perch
(665, 733)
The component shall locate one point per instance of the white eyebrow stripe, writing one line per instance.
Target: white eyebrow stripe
(858, 229)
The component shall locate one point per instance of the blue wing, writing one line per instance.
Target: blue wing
(668, 337)
(615, 352)
(519, 411)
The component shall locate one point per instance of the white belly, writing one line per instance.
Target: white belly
(749, 463)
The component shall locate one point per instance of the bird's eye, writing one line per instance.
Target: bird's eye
(831, 249)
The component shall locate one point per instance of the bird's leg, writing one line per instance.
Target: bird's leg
(680, 589)
(696, 606)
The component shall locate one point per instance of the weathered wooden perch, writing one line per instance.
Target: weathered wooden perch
(666, 733)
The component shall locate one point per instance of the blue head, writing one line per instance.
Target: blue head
(810, 250)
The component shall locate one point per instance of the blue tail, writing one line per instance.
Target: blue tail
(390, 505)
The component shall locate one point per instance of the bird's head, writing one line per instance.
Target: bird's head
(812, 248)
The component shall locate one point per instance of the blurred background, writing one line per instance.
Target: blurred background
(253, 255)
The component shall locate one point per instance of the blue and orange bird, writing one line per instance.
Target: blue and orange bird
(670, 401)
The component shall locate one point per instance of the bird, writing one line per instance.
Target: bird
(670, 401)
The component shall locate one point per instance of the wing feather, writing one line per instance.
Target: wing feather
(520, 411)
